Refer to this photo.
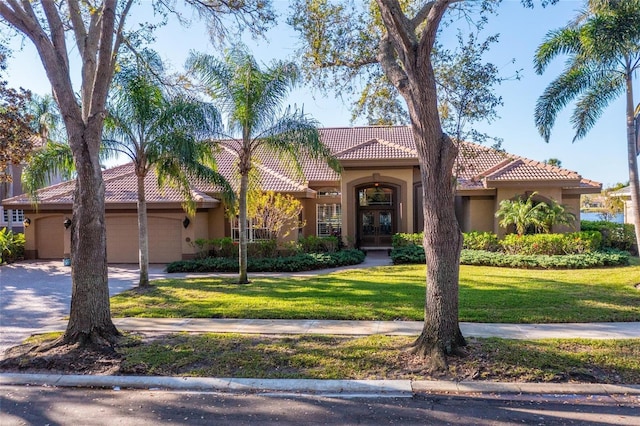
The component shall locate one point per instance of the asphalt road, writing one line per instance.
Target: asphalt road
(72, 406)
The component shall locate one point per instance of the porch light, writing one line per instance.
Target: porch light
(26, 222)
(66, 223)
(186, 222)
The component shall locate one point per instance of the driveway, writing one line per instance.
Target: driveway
(33, 294)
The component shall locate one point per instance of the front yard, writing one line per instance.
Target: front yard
(487, 294)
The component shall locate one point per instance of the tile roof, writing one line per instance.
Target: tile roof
(478, 167)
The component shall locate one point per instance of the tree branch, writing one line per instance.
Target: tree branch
(77, 25)
(57, 30)
(399, 29)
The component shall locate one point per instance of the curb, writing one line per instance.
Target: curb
(386, 388)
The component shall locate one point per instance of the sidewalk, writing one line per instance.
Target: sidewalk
(605, 330)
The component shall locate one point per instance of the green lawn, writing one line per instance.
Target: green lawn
(487, 294)
(380, 357)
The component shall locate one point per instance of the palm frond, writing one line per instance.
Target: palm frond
(45, 163)
(606, 88)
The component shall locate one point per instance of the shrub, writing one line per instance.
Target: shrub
(571, 261)
(262, 248)
(551, 244)
(480, 241)
(313, 244)
(402, 240)
(299, 262)
(408, 254)
(619, 236)
(11, 246)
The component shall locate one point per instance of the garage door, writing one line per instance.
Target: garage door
(50, 237)
(164, 239)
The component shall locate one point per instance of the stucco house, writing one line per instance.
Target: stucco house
(628, 210)
(377, 195)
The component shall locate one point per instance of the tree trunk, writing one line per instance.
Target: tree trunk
(243, 230)
(143, 234)
(632, 156)
(442, 242)
(90, 316)
(405, 58)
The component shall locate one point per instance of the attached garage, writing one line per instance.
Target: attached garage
(50, 237)
(165, 236)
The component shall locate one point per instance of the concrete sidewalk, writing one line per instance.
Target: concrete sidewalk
(606, 330)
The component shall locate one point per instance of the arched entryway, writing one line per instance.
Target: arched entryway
(377, 213)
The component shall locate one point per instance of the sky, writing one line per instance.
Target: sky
(600, 156)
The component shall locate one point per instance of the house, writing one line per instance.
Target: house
(628, 210)
(377, 195)
(11, 218)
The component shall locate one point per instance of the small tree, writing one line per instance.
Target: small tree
(277, 213)
(554, 213)
(521, 213)
(527, 215)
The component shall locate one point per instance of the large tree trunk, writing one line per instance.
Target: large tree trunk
(632, 156)
(90, 316)
(143, 234)
(405, 56)
(442, 242)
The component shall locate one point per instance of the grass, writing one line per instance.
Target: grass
(487, 294)
(381, 357)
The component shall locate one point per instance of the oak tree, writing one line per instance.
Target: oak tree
(343, 40)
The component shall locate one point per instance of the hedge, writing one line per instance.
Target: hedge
(619, 236)
(296, 263)
(415, 255)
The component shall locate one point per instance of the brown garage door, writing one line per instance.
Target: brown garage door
(164, 239)
(50, 237)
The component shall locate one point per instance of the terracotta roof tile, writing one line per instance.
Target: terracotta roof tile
(476, 165)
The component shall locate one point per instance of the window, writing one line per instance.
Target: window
(329, 220)
(253, 233)
(329, 192)
(375, 196)
(17, 216)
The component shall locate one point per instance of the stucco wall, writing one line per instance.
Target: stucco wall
(479, 214)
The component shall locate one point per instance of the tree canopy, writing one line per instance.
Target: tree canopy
(16, 136)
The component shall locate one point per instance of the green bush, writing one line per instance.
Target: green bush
(480, 241)
(570, 261)
(403, 240)
(619, 236)
(299, 262)
(11, 246)
(313, 244)
(551, 244)
(408, 254)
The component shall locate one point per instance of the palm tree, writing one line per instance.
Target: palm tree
(603, 49)
(53, 157)
(160, 132)
(554, 213)
(523, 214)
(251, 99)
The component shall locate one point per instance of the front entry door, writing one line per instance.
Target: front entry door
(376, 228)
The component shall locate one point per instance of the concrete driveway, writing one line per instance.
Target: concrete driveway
(33, 294)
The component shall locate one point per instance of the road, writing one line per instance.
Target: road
(73, 406)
